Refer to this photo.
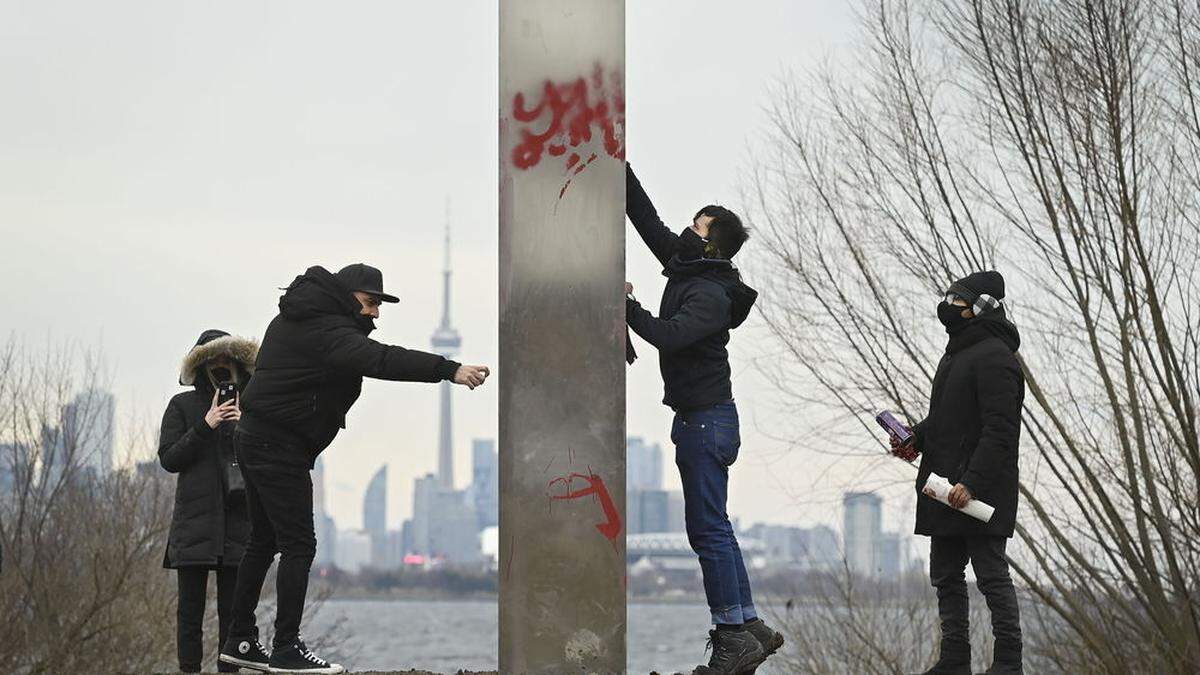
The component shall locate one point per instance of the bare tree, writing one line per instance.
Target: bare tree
(1059, 141)
(82, 586)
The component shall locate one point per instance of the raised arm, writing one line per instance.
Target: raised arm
(661, 240)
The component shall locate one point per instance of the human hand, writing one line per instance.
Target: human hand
(959, 496)
(221, 412)
(907, 450)
(471, 376)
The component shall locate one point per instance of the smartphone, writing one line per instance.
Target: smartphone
(226, 392)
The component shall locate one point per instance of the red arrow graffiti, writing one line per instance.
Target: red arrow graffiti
(611, 527)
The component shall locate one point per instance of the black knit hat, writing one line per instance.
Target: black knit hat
(990, 283)
(984, 290)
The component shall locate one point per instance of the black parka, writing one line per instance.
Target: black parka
(207, 529)
(704, 299)
(973, 429)
(314, 356)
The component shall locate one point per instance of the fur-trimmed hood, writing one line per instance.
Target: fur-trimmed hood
(239, 349)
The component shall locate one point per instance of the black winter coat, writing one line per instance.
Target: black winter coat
(207, 530)
(973, 429)
(312, 361)
(703, 300)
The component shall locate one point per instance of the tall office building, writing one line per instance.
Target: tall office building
(323, 525)
(375, 517)
(353, 550)
(861, 532)
(88, 423)
(643, 465)
(889, 555)
(13, 459)
(485, 483)
(447, 342)
(443, 525)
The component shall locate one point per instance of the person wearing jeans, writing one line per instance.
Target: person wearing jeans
(704, 300)
(706, 445)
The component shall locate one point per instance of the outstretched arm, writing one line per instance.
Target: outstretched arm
(350, 350)
(661, 240)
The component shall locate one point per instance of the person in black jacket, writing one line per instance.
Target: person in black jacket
(310, 368)
(970, 437)
(209, 527)
(704, 299)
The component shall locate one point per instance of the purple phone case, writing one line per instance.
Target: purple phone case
(893, 426)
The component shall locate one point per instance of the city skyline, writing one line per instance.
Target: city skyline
(312, 164)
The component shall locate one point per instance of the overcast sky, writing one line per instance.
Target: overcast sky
(165, 167)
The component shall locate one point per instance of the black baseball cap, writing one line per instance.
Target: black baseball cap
(363, 278)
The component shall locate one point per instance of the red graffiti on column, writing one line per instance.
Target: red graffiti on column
(611, 526)
(566, 114)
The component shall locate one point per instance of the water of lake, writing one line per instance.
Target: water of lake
(443, 636)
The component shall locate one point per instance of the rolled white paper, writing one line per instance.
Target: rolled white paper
(941, 489)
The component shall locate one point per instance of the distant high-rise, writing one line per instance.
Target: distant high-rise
(443, 523)
(375, 517)
(447, 342)
(888, 555)
(485, 482)
(14, 462)
(323, 525)
(643, 465)
(375, 503)
(353, 550)
(87, 430)
(861, 532)
(83, 440)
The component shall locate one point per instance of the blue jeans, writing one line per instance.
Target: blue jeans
(706, 444)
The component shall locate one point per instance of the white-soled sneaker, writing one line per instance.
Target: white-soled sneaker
(296, 658)
(246, 653)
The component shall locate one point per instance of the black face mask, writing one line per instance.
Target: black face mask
(951, 315)
(365, 323)
(691, 246)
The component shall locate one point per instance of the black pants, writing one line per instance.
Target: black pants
(280, 506)
(947, 563)
(189, 615)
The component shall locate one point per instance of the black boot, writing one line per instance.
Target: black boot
(770, 639)
(951, 663)
(1006, 660)
(734, 652)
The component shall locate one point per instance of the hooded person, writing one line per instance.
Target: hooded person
(971, 437)
(703, 301)
(314, 356)
(209, 526)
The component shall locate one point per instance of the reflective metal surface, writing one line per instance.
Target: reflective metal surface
(562, 337)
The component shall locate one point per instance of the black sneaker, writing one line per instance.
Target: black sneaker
(297, 659)
(770, 639)
(245, 652)
(733, 653)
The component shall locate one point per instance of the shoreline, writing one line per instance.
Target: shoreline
(489, 598)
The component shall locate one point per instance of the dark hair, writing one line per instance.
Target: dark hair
(725, 231)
